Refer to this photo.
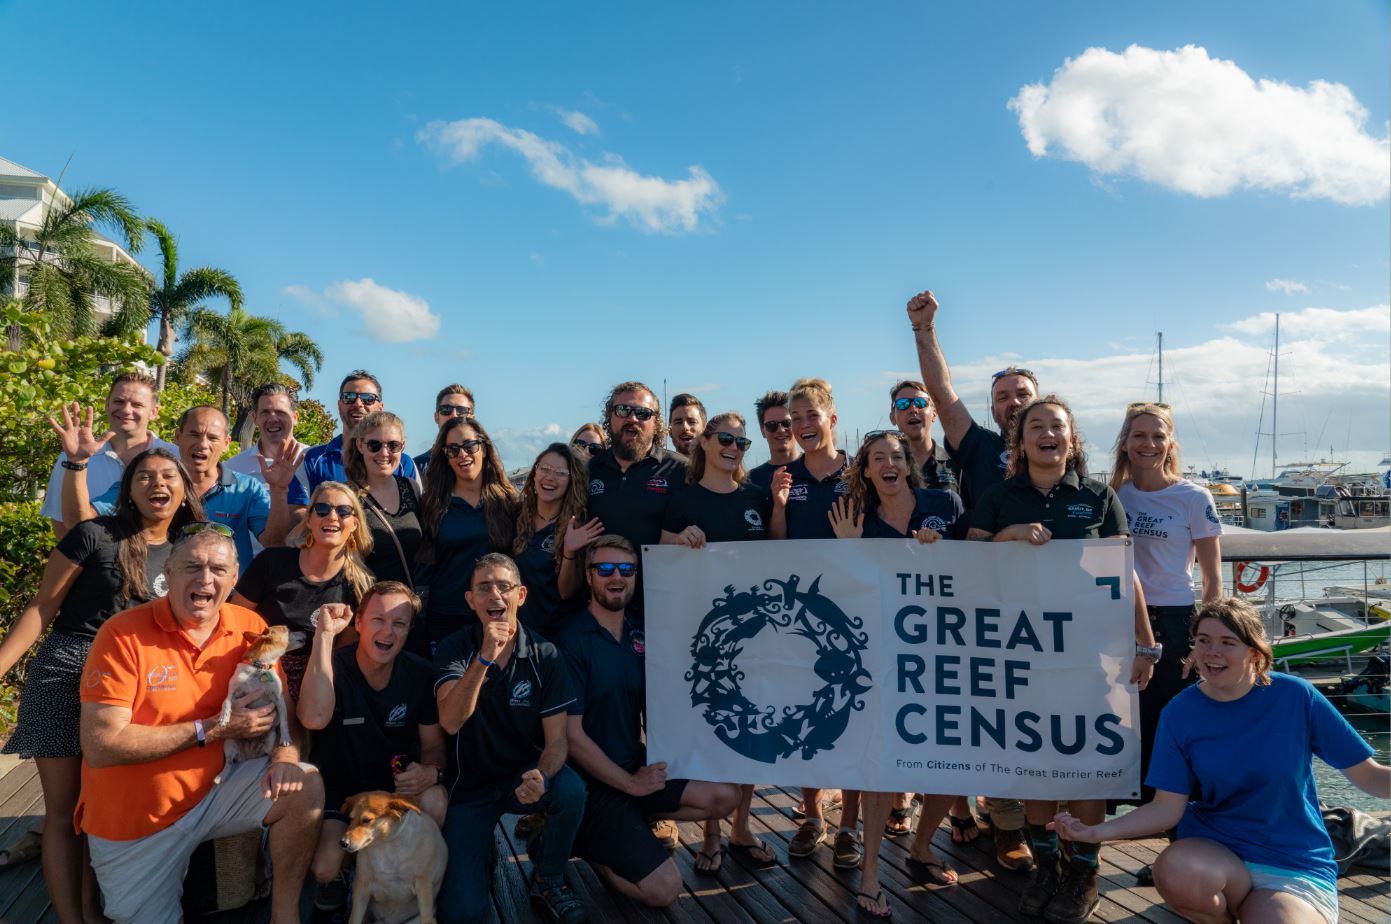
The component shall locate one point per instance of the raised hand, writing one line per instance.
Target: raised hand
(843, 524)
(283, 464)
(496, 634)
(578, 536)
(781, 486)
(75, 433)
(922, 310)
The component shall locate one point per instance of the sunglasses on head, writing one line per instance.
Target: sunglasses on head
(729, 439)
(634, 410)
(193, 529)
(323, 509)
(1013, 370)
(366, 397)
(607, 568)
(903, 404)
(469, 446)
(1137, 404)
(392, 446)
(873, 435)
(455, 410)
(773, 426)
(591, 448)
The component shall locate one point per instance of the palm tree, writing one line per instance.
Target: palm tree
(66, 270)
(241, 351)
(171, 303)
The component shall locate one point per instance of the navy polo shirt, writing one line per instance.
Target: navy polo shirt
(537, 566)
(462, 540)
(1076, 508)
(981, 461)
(503, 737)
(632, 503)
(939, 510)
(609, 677)
(809, 502)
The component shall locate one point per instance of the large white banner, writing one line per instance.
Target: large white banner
(881, 664)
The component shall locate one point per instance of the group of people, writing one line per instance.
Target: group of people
(478, 648)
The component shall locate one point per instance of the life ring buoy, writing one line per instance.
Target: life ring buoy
(1261, 576)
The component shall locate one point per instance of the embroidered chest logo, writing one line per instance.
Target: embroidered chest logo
(162, 677)
(753, 518)
(159, 586)
(798, 492)
(596, 487)
(548, 544)
(657, 485)
(1080, 511)
(639, 643)
(396, 718)
(521, 694)
(935, 523)
(842, 487)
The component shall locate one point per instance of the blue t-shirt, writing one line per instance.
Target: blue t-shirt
(1251, 763)
(325, 463)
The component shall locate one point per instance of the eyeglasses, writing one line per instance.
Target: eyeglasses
(392, 446)
(633, 410)
(591, 448)
(1135, 404)
(469, 446)
(873, 435)
(1013, 370)
(773, 426)
(454, 410)
(607, 568)
(903, 404)
(729, 439)
(366, 397)
(323, 509)
(193, 529)
(502, 587)
(553, 472)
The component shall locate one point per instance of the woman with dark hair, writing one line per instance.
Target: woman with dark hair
(589, 439)
(551, 536)
(887, 501)
(468, 510)
(1233, 769)
(721, 505)
(321, 562)
(100, 567)
(1046, 495)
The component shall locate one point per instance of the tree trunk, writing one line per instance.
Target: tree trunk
(166, 346)
(227, 389)
(244, 430)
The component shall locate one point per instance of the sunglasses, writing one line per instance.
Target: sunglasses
(502, 587)
(773, 426)
(366, 397)
(634, 410)
(469, 446)
(454, 410)
(903, 404)
(1013, 370)
(392, 446)
(1137, 404)
(323, 509)
(607, 568)
(873, 435)
(729, 439)
(552, 472)
(193, 529)
(591, 448)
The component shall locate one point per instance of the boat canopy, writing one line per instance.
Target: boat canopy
(1306, 544)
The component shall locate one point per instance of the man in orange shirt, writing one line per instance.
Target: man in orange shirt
(154, 784)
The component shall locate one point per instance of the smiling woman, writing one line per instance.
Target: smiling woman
(551, 532)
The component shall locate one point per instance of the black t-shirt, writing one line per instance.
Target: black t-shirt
(809, 502)
(980, 460)
(1076, 508)
(739, 515)
(632, 503)
(762, 476)
(610, 681)
(939, 510)
(504, 734)
(385, 562)
(544, 605)
(283, 596)
(95, 596)
(462, 540)
(369, 727)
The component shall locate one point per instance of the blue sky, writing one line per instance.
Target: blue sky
(549, 198)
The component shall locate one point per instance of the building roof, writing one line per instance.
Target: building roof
(18, 209)
(10, 168)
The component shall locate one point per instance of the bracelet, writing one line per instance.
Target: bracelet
(72, 466)
(198, 730)
(484, 661)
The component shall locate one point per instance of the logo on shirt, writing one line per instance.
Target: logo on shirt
(657, 485)
(521, 694)
(935, 523)
(596, 487)
(396, 718)
(1004, 460)
(753, 518)
(1080, 511)
(1211, 516)
(639, 643)
(798, 492)
(548, 544)
(162, 677)
(1146, 524)
(842, 487)
(159, 586)
(94, 677)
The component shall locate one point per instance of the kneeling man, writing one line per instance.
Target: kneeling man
(154, 784)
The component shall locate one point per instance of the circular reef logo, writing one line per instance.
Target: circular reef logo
(765, 733)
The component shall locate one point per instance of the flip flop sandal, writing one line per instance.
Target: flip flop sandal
(713, 862)
(932, 870)
(879, 899)
(964, 830)
(752, 851)
(28, 847)
(904, 819)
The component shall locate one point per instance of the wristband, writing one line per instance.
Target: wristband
(1150, 653)
(202, 735)
(72, 466)
(484, 661)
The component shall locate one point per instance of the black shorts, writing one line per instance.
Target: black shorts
(616, 833)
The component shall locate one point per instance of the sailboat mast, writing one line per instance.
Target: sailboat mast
(1275, 401)
(1161, 367)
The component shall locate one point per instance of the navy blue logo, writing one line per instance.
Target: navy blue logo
(1211, 516)
(758, 732)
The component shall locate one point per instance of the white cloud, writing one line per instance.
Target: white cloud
(1203, 126)
(577, 122)
(518, 446)
(1288, 286)
(1335, 382)
(388, 315)
(649, 202)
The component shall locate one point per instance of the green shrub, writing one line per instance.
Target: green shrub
(26, 538)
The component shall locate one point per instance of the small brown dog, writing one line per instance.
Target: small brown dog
(400, 859)
(256, 674)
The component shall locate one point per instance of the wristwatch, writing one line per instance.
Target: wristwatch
(74, 466)
(1152, 653)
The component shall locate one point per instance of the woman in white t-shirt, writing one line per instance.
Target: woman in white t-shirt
(1172, 523)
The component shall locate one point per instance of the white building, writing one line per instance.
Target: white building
(25, 197)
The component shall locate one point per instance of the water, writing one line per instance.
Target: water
(1334, 788)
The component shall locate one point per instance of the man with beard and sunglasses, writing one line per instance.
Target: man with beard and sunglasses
(980, 459)
(452, 401)
(776, 424)
(358, 395)
(606, 652)
(911, 410)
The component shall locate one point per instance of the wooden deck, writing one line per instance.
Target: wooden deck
(809, 890)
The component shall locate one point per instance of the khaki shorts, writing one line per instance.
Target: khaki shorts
(142, 880)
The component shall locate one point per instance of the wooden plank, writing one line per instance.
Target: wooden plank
(23, 897)
(707, 889)
(16, 777)
(739, 882)
(22, 812)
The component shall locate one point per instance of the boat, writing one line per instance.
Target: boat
(1325, 646)
(1367, 690)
